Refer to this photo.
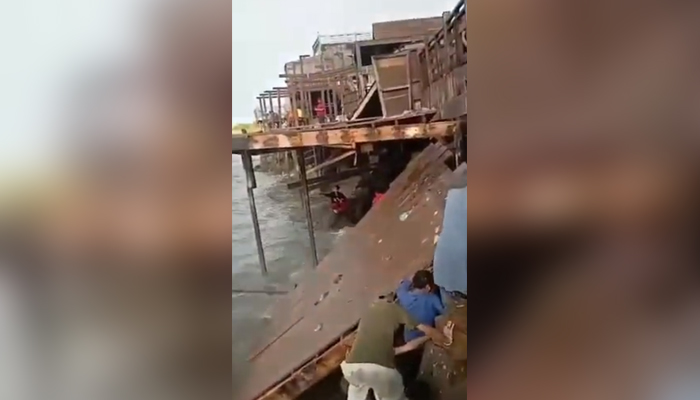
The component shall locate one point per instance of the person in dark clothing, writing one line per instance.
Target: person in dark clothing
(336, 195)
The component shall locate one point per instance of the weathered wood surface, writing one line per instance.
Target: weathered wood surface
(443, 64)
(438, 369)
(394, 240)
(341, 136)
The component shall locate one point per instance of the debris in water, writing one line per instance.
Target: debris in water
(337, 279)
(435, 239)
(404, 216)
(318, 328)
(379, 241)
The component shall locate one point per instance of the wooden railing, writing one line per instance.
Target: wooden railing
(443, 61)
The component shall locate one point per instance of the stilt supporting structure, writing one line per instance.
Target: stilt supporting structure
(252, 184)
(301, 162)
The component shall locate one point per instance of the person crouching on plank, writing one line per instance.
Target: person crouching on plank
(370, 363)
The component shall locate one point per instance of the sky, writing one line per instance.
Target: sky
(267, 34)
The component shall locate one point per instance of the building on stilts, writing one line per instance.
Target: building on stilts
(388, 105)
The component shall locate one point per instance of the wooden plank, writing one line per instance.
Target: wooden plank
(320, 367)
(379, 86)
(365, 101)
(331, 161)
(329, 179)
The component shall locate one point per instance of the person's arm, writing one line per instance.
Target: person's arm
(404, 287)
(410, 323)
(410, 346)
(435, 335)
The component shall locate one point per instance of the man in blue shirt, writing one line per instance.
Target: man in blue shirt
(419, 298)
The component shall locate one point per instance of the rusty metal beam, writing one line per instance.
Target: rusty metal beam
(344, 135)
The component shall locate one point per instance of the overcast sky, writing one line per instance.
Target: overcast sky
(268, 33)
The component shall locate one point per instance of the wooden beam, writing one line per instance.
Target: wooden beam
(330, 179)
(331, 161)
(312, 373)
(348, 135)
(337, 71)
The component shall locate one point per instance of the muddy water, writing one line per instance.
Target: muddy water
(287, 251)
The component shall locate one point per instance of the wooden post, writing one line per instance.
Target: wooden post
(343, 110)
(264, 117)
(358, 66)
(272, 109)
(333, 96)
(250, 185)
(279, 107)
(293, 103)
(325, 98)
(310, 105)
(410, 80)
(301, 162)
(261, 107)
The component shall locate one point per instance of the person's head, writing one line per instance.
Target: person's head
(423, 281)
(318, 101)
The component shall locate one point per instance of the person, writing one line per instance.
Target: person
(450, 267)
(418, 297)
(450, 259)
(274, 120)
(370, 364)
(378, 196)
(336, 195)
(320, 111)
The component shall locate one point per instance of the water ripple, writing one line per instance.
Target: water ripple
(287, 250)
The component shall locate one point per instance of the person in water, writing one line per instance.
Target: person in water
(377, 198)
(336, 195)
(371, 364)
(419, 297)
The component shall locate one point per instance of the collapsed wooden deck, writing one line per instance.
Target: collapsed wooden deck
(313, 326)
